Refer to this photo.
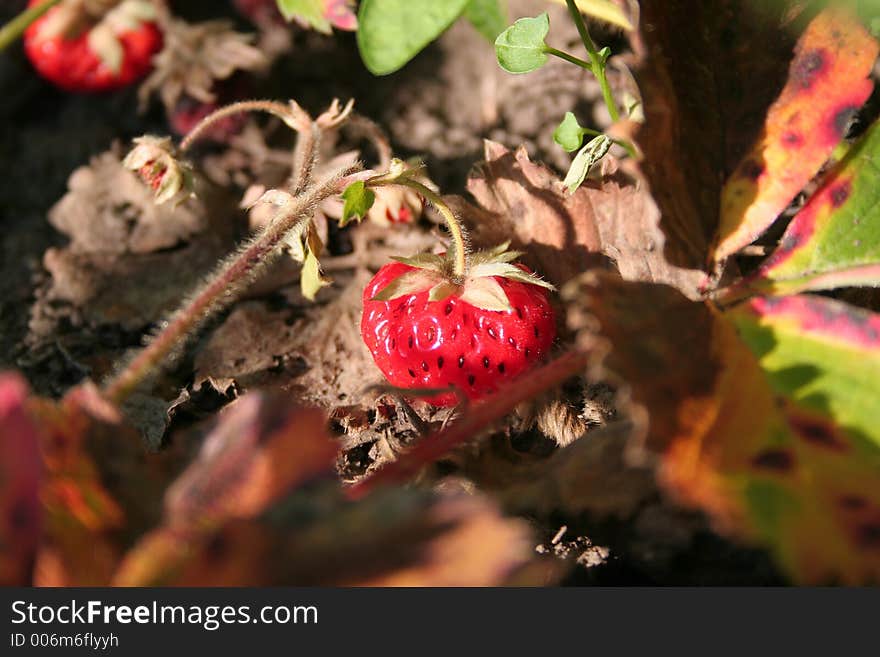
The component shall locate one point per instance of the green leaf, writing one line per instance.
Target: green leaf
(358, 200)
(835, 238)
(392, 32)
(488, 16)
(411, 282)
(431, 261)
(569, 134)
(310, 12)
(311, 280)
(521, 48)
(593, 151)
(508, 270)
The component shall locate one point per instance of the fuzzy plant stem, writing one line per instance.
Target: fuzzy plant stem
(477, 417)
(222, 288)
(280, 110)
(597, 65)
(456, 230)
(10, 32)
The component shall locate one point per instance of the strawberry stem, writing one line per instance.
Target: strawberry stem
(222, 288)
(282, 111)
(456, 230)
(10, 32)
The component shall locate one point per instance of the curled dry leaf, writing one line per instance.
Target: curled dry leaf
(314, 538)
(194, 56)
(107, 209)
(566, 234)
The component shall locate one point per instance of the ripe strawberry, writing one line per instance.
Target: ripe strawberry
(426, 332)
(79, 51)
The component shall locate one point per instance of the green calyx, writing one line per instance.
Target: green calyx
(478, 287)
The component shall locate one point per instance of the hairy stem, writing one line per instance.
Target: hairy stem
(598, 66)
(305, 158)
(221, 289)
(362, 126)
(10, 32)
(477, 417)
(280, 110)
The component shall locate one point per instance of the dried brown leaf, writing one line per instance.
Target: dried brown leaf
(565, 234)
(107, 209)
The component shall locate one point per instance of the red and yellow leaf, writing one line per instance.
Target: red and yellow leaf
(827, 84)
(834, 240)
(765, 417)
(20, 474)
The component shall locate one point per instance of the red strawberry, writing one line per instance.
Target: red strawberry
(81, 52)
(426, 332)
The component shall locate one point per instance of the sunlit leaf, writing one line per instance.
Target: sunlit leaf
(593, 151)
(392, 32)
(521, 48)
(827, 84)
(569, 134)
(357, 202)
(835, 238)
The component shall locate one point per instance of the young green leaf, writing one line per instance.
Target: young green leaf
(521, 48)
(358, 200)
(392, 32)
(487, 16)
(569, 134)
(592, 152)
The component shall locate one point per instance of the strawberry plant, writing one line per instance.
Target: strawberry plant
(351, 377)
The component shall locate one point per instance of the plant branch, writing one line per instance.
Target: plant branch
(10, 32)
(598, 65)
(456, 230)
(569, 58)
(222, 288)
(275, 108)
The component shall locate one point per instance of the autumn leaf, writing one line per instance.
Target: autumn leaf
(827, 84)
(262, 447)
(834, 240)
(260, 506)
(614, 220)
(764, 416)
(20, 478)
(707, 73)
